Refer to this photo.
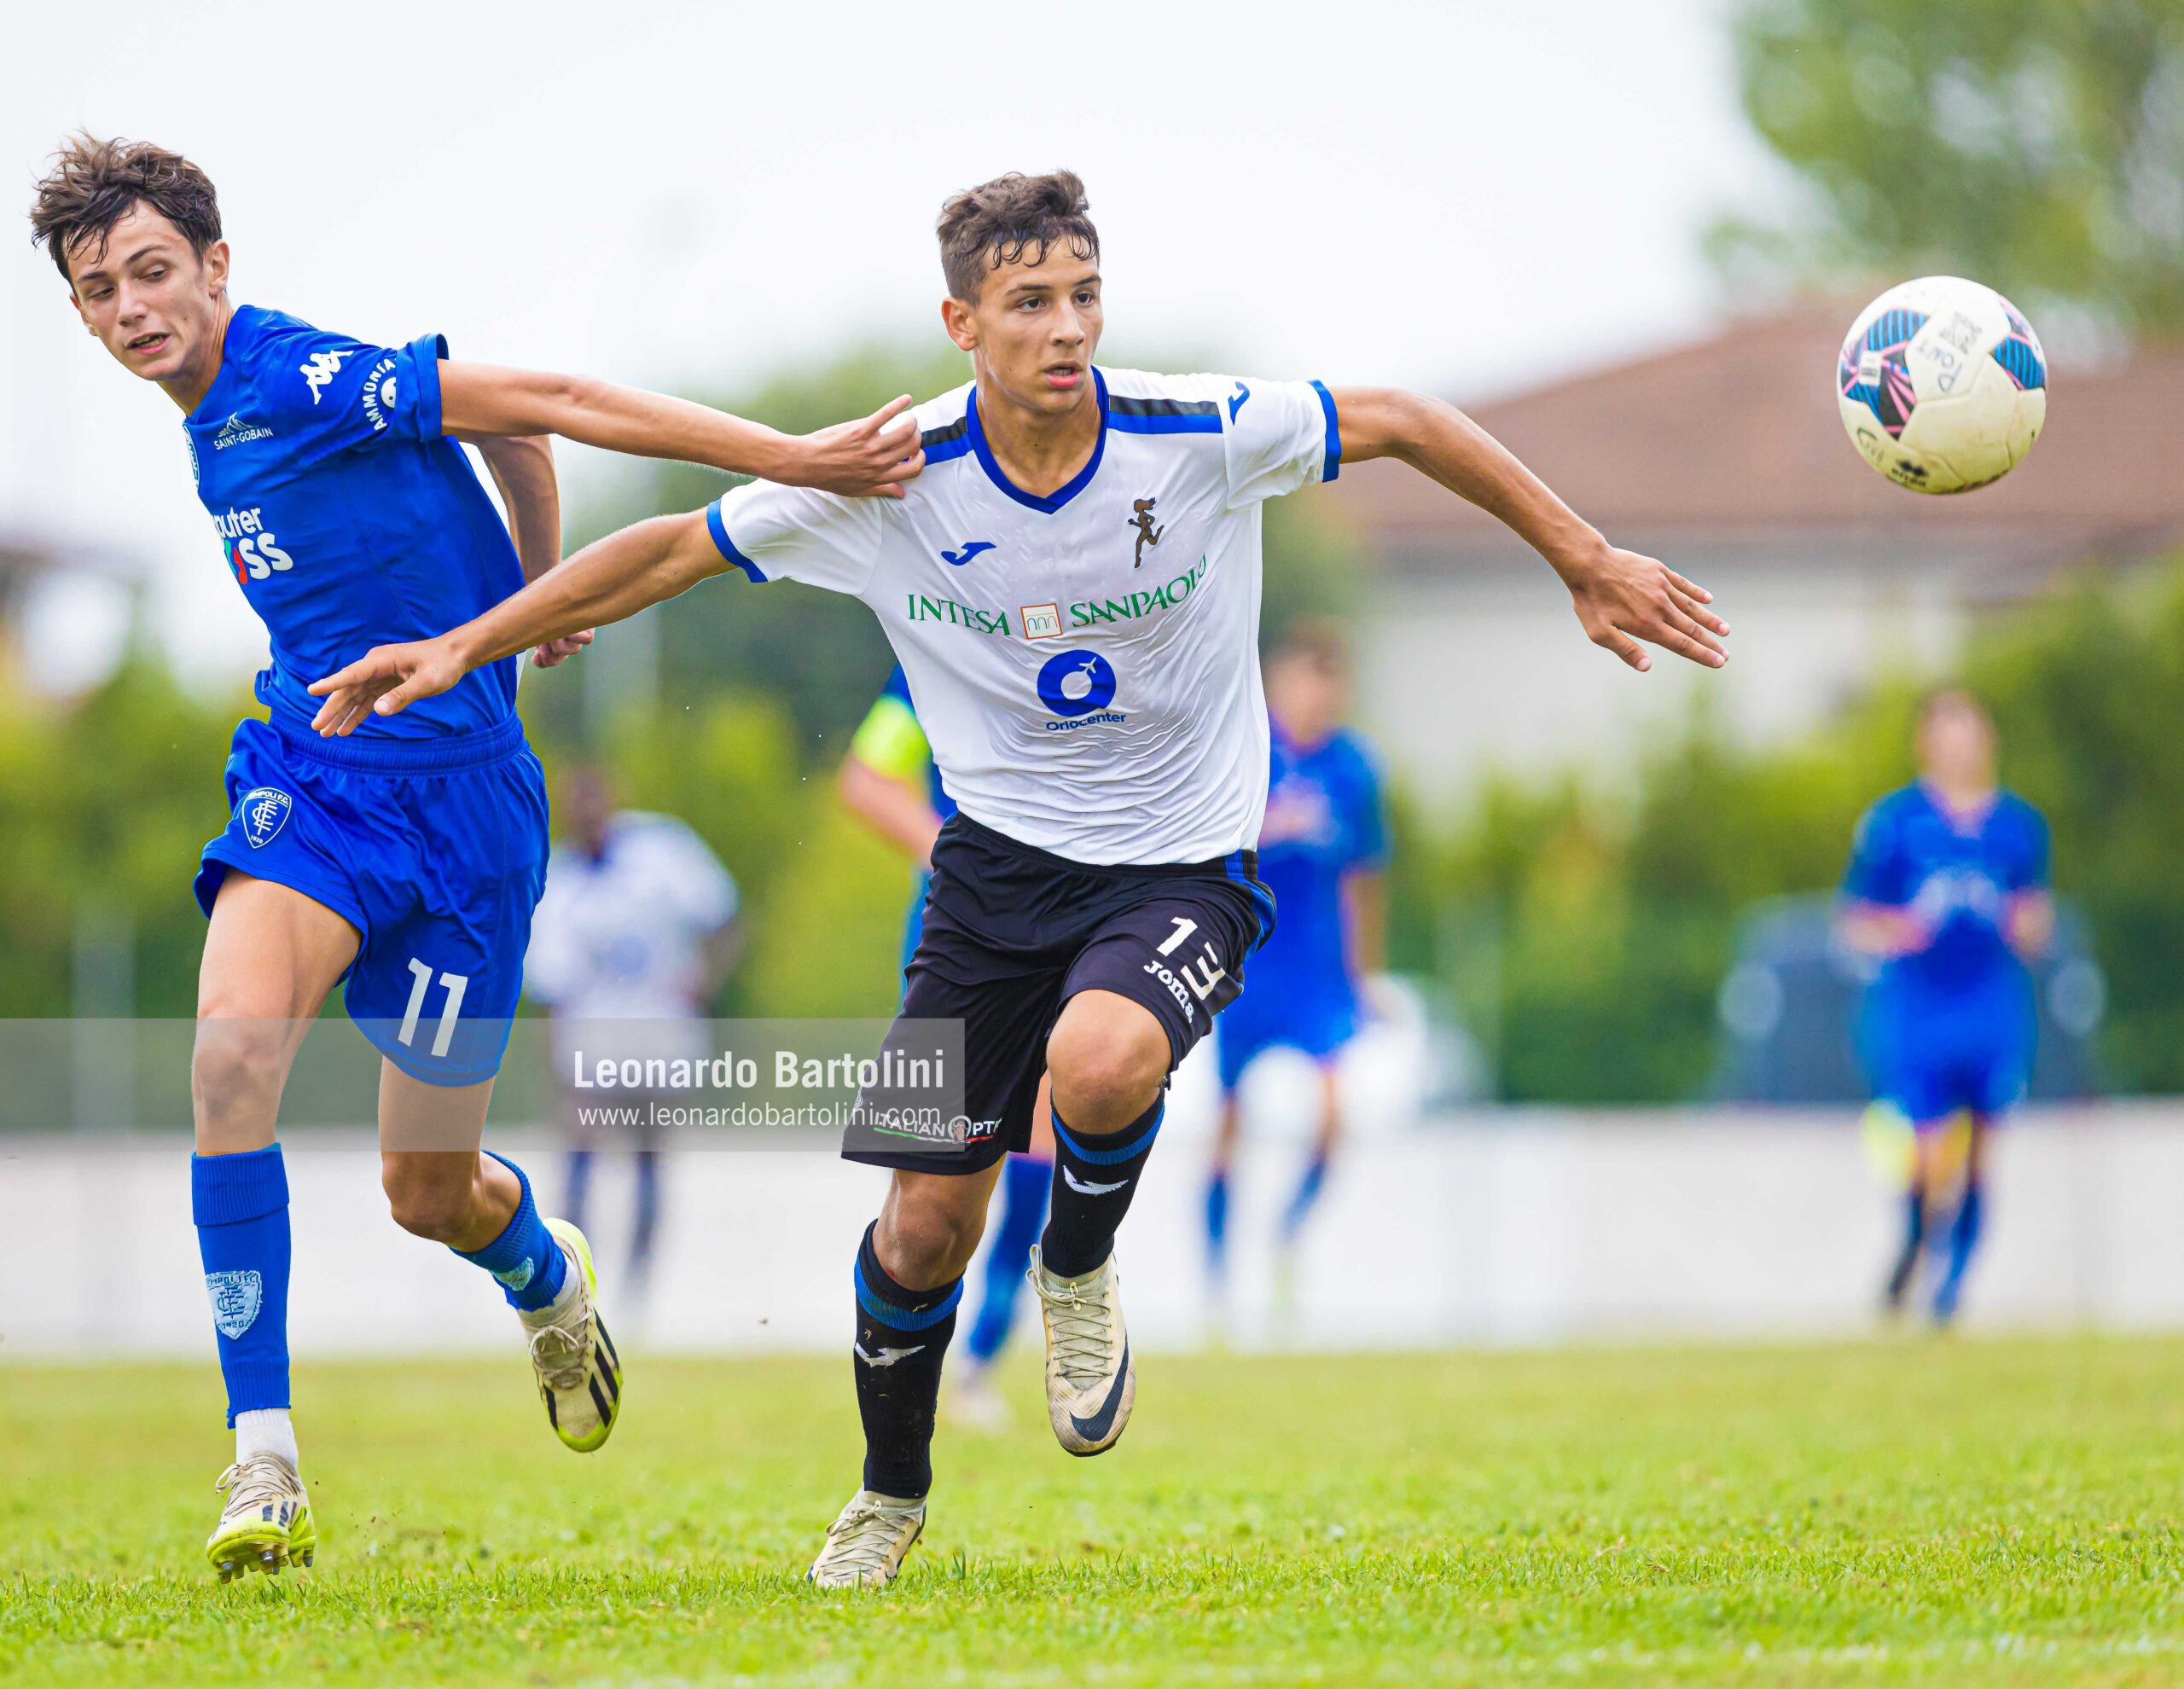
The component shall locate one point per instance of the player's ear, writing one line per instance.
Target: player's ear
(216, 265)
(963, 327)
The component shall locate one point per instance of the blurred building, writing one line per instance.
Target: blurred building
(1727, 459)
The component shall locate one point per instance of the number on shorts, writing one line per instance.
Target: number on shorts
(1183, 929)
(455, 983)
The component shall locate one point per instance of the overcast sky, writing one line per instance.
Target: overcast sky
(1459, 196)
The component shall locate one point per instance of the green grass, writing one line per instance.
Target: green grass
(1950, 1513)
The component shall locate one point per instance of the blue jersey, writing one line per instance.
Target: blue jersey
(1956, 875)
(348, 519)
(1323, 823)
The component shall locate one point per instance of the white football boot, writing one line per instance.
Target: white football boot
(579, 1374)
(266, 1523)
(866, 1544)
(1090, 1383)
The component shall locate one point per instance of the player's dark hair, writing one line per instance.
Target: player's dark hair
(998, 222)
(92, 183)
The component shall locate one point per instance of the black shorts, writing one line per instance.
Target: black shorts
(1012, 933)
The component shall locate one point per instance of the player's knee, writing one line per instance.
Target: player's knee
(427, 1200)
(927, 1235)
(238, 1065)
(1107, 1069)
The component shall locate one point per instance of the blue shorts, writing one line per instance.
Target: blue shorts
(1318, 1025)
(434, 850)
(1930, 1090)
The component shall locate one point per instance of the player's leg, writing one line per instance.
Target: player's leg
(271, 955)
(1325, 1137)
(1991, 1085)
(1024, 1181)
(1234, 1054)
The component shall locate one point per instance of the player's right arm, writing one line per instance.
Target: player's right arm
(1878, 914)
(883, 777)
(608, 581)
(874, 455)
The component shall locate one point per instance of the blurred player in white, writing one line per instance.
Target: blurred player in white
(1072, 585)
(1321, 852)
(632, 942)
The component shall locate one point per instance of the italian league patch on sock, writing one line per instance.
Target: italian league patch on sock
(237, 1296)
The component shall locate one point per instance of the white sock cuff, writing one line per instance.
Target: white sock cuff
(266, 1431)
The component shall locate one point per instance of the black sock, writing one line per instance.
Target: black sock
(1094, 1179)
(901, 1336)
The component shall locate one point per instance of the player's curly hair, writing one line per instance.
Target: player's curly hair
(92, 183)
(997, 222)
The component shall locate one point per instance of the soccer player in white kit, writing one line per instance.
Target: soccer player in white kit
(632, 941)
(1072, 585)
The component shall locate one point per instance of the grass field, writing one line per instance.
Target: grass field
(1947, 1512)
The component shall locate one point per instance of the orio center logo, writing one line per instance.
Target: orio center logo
(1076, 682)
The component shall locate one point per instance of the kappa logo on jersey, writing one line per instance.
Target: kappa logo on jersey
(263, 812)
(322, 367)
(1237, 399)
(236, 432)
(970, 550)
(1076, 683)
(1142, 521)
(236, 1298)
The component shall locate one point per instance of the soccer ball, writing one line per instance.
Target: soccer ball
(1943, 385)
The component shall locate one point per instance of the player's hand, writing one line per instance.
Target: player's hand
(556, 651)
(384, 680)
(1622, 597)
(875, 456)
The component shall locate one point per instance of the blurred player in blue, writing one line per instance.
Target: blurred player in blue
(631, 943)
(889, 778)
(1947, 890)
(403, 862)
(1321, 852)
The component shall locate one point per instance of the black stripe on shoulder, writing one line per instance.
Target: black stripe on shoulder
(1163, 407)
(954, 431)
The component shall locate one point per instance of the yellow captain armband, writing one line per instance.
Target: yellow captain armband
(891, 740)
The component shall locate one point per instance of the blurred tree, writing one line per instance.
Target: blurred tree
(2037, 145)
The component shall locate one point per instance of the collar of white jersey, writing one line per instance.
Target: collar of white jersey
(1046, 503)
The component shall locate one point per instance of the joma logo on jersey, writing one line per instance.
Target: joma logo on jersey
(1089, 612)
(249, 546)
(322, 368)
(924, 609)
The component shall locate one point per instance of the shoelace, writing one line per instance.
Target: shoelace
(861, 1540)
(254, 1482)
(1081, 1320)
(560, 1357)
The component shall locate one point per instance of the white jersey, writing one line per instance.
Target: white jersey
(621, 936)
(1084, 663)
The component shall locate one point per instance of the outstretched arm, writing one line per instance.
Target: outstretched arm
(522, 467)
(605, 582)
(1620, 597)
(874, 455)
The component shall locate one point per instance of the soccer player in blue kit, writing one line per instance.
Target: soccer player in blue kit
(1321, 851)
(1073, 586)
(891, 780)
(404, 861)
(1947, 890)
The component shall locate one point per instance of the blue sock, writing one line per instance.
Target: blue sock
(525, 1258)
(1024, 1182)
(240, 1204)
(1963, 1239)
(1216, 1224)
(580, 1161)
(1307, 1192)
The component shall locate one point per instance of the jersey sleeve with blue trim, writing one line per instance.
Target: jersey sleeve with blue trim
(1277, 436)
(798, 534)
(328, 393)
